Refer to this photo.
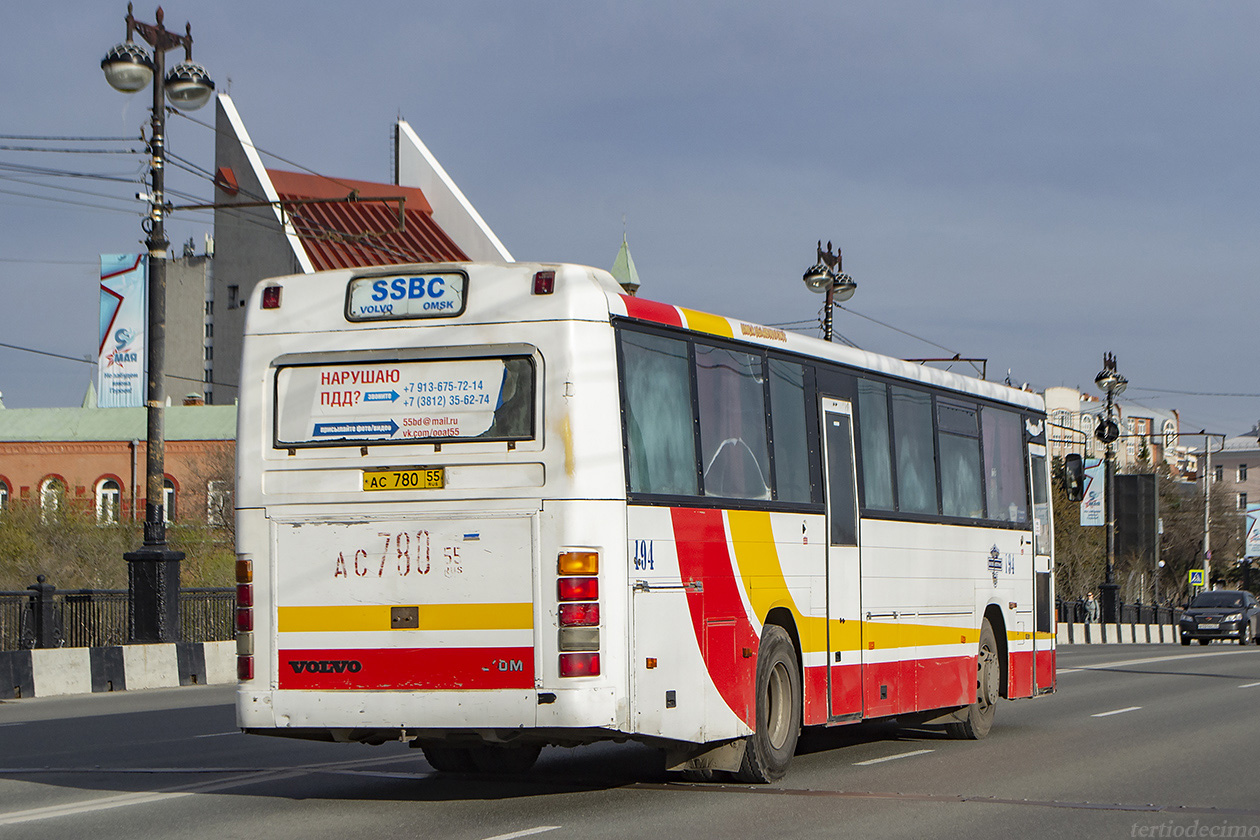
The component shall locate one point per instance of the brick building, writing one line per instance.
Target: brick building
(94, 459)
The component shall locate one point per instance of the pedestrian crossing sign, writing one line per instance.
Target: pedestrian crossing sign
(1196, 577)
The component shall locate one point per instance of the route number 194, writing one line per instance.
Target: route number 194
(643, 555)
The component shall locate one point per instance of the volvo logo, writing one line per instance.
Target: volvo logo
(326, 666)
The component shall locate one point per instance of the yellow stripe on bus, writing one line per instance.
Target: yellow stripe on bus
(431, 617)
(763, 580)
(704, 322)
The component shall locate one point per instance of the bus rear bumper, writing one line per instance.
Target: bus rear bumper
(363, 716)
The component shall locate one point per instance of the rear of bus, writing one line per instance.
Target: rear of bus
(419, 559)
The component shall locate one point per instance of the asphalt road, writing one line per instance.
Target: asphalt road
(1139, 742)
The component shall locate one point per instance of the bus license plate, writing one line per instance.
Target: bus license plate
(419, 479)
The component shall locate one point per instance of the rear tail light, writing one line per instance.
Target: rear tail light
(579, 664)
(578, 589)
(271, 297)
(578, 562)
(245, 614)
(244, 668)
(579, 615)
(578, 636)
(544, 282)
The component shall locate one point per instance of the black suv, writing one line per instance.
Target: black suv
(1222, 614)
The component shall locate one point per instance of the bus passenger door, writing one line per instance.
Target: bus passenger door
(1043, 574)
(844, 599)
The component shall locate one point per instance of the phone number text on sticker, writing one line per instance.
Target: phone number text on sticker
(425, 479)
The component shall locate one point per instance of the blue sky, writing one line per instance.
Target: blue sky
(1035, 184)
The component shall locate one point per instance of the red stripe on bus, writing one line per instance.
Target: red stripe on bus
(423, 669)
(1046, 669)
(846, 689)
(650, 310)
(1020, 682)
(722, 629)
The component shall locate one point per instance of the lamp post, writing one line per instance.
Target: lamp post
(825, 276)
(153, 571)
(1113, 384)
(1207, 505)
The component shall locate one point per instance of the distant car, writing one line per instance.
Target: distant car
(1222, 614)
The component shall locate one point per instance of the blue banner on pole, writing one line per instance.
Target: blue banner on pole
(1093, 506)
(121, 354)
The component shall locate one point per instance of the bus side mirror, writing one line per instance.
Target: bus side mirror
(1074, 477)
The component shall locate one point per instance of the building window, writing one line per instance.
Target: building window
(4, 495)
(234, 292)
(1242, 501)
(52, 496)
(1242, 473)
(108, 502)
(1219, 474)
(219, 503)
(168, 500)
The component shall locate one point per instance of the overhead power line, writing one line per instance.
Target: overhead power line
(64, 139)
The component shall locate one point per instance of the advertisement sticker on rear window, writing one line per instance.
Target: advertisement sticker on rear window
(435, 295)
(452, 399)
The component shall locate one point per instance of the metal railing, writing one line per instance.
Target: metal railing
(44, 616)
(1075, 612)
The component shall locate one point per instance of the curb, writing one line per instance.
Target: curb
(60, 671)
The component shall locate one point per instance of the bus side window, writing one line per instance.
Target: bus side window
(791, 435)
(734, 452)
(1006, 483)
(660, 436)
(958, 438)
(877, 474)
(916, 451)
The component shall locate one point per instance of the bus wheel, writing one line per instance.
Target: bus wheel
(769, 750)
(447, 759)
(505, 759)
(979, 715)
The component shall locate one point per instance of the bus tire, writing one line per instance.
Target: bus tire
(445, 758)
(505, 759)
(978, 717)
(769, 750)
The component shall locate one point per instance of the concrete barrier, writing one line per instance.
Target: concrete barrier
(59, 671)
(1117, 634)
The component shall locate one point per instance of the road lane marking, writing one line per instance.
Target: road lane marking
(890, 758)
(524, 833)
(1102, 666)
(1117, 711)
(125, 800)
(1250, 685)
(218, 734)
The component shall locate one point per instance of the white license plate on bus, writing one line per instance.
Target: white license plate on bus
(433, 478)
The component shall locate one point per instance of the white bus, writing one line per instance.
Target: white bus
(483, 508)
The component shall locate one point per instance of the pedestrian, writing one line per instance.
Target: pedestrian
(1091, 609)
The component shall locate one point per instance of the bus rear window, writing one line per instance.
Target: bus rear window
(393, 402)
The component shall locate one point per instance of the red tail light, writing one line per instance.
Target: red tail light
(544, 282)
(244, 668)
(271, 297)
(244, 595)
(244, 619)
(579, 664)
(578, 589)
(579, 615)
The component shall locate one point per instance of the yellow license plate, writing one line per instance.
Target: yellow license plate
(419, 479)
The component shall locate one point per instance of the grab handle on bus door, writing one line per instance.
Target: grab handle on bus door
(689, 586)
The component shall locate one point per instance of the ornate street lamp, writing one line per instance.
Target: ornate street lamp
(1112, 384)
(153, 571)
(825, 276)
